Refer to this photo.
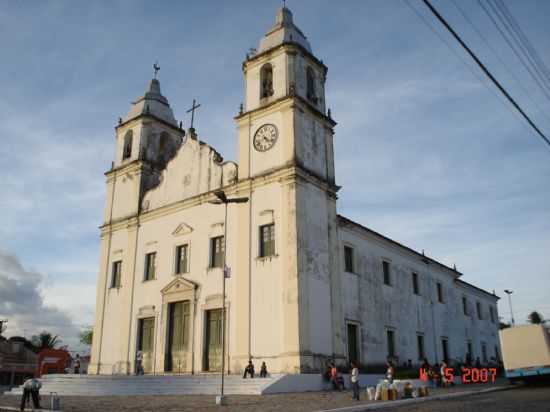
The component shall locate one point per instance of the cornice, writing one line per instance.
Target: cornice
(276, 105)
(286, 45)
(152, 117)
(286, 173)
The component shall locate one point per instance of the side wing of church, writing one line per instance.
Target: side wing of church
(304, 284)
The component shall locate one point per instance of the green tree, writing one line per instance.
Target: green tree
(535, 318)
(45, 340)
(86, 336)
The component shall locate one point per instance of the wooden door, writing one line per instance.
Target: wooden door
(353, 352)
(213, 341)
(146, 342)
(178, 337)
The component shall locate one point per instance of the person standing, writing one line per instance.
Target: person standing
(139, 363)
(31, 388)
(390, 372)
(77, 364)
(354, 378)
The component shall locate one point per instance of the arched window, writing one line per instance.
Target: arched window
(266, 81)
(310, 85)
(127, 149)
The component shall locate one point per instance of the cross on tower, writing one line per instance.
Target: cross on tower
(192, 111)
(156, 68)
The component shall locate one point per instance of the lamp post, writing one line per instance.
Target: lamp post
(509, 293)
(223, 199)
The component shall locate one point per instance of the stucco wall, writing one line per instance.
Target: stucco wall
(378, 307)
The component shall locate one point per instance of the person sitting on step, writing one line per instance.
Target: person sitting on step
(249, 370)
(263, 370)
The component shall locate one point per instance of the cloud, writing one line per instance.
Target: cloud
(22, 303)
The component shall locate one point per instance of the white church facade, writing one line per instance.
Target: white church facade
(304, 284)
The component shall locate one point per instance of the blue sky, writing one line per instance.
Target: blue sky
(426, 152)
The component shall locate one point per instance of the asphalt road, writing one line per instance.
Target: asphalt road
(524, 399)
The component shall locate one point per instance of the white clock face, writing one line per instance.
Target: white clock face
(265, 137)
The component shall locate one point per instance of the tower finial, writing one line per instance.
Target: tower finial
(156, 68)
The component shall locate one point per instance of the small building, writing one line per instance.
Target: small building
(53, 361)
(17, 362)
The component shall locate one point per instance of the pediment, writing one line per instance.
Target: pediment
(182, 229)
(178, 285)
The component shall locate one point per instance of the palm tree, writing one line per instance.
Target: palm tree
(45, 340)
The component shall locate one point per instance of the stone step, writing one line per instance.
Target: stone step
(101, 385)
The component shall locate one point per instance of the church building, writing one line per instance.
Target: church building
(303, 284)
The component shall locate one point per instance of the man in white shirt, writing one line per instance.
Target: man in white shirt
(31, 387)
(354, 377)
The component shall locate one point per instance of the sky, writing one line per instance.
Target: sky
(427, 151)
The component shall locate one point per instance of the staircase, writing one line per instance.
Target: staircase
(113, 385)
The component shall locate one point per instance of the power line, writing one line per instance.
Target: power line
(461, 58)
(511, 45)
(516, 39)
(528, 46)
(485, 70)
(500, 59)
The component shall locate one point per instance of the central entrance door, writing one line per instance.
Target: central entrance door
(178, 337)
(146, 342)
(213, 341)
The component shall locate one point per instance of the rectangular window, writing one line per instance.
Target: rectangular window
(497, 355)
(150, 266)
(439, 292)
(478, 310)
(465, 305)
(348, 259)
(216, 252)
(267, 240)
(492, 314)
(116, 274)
(420, 346)
(182, 259)
(484, 352)
(416, 289)
(386, 270)
(390, 340)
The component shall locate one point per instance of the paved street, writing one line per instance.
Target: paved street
(521, 399)
(529, 399)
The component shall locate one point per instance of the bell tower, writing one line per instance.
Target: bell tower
(284, 119)
(146, 139)
(286, 158)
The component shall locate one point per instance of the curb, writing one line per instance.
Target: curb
(402, 402)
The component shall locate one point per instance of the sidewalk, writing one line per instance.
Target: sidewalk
(434, 394)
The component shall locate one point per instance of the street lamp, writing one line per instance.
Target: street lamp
(509, 293)
(222, 199)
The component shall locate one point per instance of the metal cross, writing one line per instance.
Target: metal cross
(192, 111)
(156, 68)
